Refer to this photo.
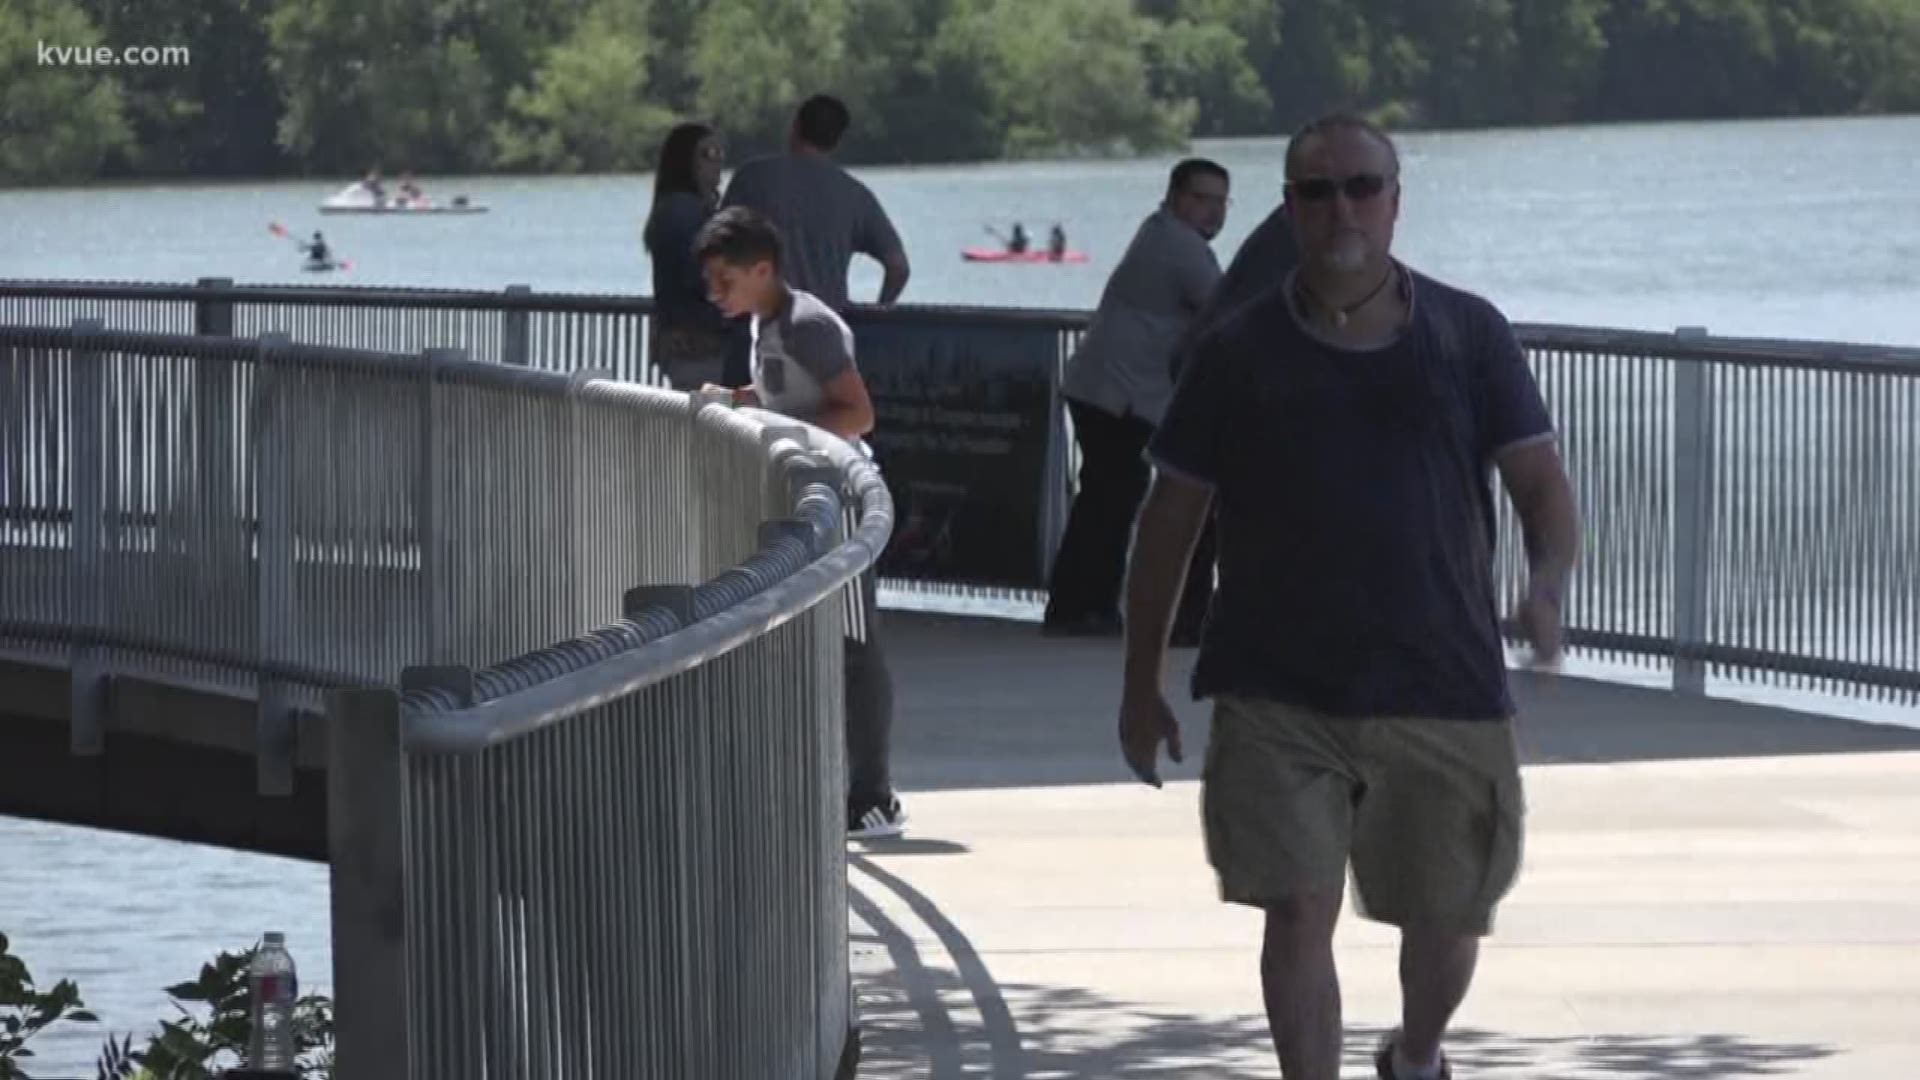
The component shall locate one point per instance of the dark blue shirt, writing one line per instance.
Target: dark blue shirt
(679, 288)
(1355, 499)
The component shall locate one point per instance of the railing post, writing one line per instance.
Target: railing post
(366, 843)
(804, 479)
(777, 497)
(87, 566)
(213, 425)
(581, 466)
(675, 599)
(515, 348)
(213, 314)
(431, 508)
(1056, 493)
(1693, 475)
(15, 411)
(274, 455)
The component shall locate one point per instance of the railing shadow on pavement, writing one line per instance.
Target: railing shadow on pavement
(918, 1021)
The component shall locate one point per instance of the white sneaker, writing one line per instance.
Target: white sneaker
(877, 822)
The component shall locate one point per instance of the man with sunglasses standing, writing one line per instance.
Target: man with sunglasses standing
(1345, 425)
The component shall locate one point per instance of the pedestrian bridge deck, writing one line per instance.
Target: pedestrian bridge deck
(1712, 889)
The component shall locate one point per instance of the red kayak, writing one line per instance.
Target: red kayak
(1003, 255)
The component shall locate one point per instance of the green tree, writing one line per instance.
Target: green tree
(672, 79)
(587, 110)
(757, 59)
(1073, 75)
(1206, 64)
(214, 116)
(1213, 52)
(1558, 49)
(407, 83)
(568, 85)
(1323, 61)
(58, 123)
(1674, 59)
(1457, 57)
(330, 60)
(1841, 56)
(920, 83)
(1888, 33)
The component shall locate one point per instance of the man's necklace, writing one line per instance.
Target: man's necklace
(1340, 315)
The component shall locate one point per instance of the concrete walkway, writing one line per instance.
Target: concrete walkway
(1711, 890)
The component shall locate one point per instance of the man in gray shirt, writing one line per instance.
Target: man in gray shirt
(1117, 387)
(824, 215)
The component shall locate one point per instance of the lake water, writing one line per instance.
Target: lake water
(1787, 229)
(1802, 229)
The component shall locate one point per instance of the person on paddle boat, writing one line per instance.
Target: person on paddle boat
(316, 248)
(1017, 245)
(1057, 243)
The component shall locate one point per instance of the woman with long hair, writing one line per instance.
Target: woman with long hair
(690, 337)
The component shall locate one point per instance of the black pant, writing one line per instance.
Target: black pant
(1092, 560)
(869, 706)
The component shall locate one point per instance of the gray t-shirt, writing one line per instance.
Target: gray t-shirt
(796, 353)
(1123, 366)
(824, 216)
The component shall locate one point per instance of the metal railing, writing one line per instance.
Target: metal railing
(617, 861)
(577, 644)
(1752, 507)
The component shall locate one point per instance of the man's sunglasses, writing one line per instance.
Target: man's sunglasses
(1357, 188)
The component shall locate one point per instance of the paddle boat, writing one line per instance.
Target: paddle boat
(1001, 255)
(358, 198)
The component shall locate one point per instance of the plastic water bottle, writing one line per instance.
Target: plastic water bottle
(273, 986)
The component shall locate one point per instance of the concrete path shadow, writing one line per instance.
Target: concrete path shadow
(991, 703)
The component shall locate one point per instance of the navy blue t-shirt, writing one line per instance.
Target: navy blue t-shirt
(1355, 499)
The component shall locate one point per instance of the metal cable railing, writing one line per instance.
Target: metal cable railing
(609, 812)
(668, 789)
(1752, 508)
(1750, 505)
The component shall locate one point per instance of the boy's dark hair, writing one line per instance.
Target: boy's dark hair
(822, 120)
(739, 237)
(1184, 173)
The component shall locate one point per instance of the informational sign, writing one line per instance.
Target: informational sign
(963, 428)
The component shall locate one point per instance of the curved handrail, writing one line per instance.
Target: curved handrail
(575, 680)
(790, 570)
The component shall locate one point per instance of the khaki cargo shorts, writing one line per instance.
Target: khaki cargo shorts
(1428, 812)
